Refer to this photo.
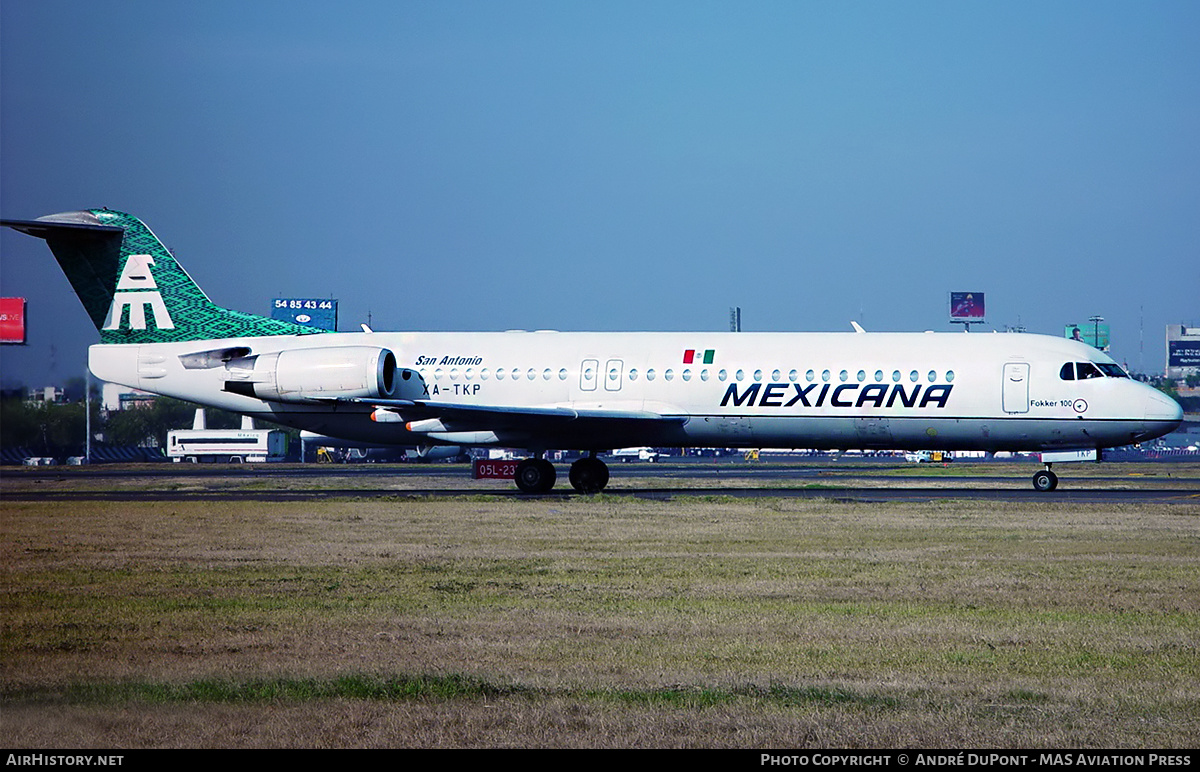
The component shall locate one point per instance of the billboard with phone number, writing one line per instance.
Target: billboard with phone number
(312, 312)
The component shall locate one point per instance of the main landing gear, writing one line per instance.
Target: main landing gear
(588, 475)
(1045, 480)
(536, 475)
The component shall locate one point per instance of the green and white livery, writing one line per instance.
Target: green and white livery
(132, 286)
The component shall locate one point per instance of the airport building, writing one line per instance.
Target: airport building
(1183, 351)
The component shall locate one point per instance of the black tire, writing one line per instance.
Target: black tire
(589, 475)
(1045, 481)
(535, 475)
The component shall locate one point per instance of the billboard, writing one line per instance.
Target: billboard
(1183, 353)
(311, 312)
(1091, 333)
(12, 320)
(966, 306)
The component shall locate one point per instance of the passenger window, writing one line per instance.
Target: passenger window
(1067, 373)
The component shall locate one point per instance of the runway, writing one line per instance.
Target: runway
(1122, 483)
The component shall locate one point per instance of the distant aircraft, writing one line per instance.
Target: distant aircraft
(591, 391)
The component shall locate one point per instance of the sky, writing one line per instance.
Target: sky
(618, 165)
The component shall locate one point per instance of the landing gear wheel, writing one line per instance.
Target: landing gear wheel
(535, 475)
(1045, 481)
(589, 475)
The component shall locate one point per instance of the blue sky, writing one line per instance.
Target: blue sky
(617, 166)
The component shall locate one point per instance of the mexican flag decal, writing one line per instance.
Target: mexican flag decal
(694, 357)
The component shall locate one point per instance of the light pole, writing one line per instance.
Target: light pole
(1095, 320)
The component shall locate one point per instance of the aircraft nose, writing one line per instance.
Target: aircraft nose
(1162, 409)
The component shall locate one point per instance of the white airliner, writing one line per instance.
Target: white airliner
(591, 391)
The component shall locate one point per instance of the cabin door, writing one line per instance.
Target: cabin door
(1015, 393)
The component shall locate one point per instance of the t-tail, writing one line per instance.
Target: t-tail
(132, 286)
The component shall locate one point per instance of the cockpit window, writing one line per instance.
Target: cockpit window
(1081, 371)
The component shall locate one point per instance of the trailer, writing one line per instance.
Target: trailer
(226, 445)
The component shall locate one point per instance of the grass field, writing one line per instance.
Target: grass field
(605, 621)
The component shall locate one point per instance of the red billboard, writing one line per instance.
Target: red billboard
(966, 306)
(12, 320)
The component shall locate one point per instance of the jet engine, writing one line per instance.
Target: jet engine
(308, 375)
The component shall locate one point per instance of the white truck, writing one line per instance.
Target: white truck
(928, 456)
(635, 454)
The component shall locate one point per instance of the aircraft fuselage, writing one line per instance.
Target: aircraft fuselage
(936, 391)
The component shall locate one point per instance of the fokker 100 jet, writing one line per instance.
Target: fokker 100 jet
(591, 391)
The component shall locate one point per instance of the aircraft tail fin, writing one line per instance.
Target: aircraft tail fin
(131, 285)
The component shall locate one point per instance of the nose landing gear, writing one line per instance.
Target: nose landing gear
(1045, 480)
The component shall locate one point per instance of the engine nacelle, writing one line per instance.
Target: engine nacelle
(318, 374)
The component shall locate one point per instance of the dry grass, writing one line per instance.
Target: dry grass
(599, 621)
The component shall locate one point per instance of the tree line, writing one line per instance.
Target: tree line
(60, 429)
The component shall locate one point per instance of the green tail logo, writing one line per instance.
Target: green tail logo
(132, 286)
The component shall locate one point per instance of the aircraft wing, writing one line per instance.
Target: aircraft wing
(552, 423)
(490, 415)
